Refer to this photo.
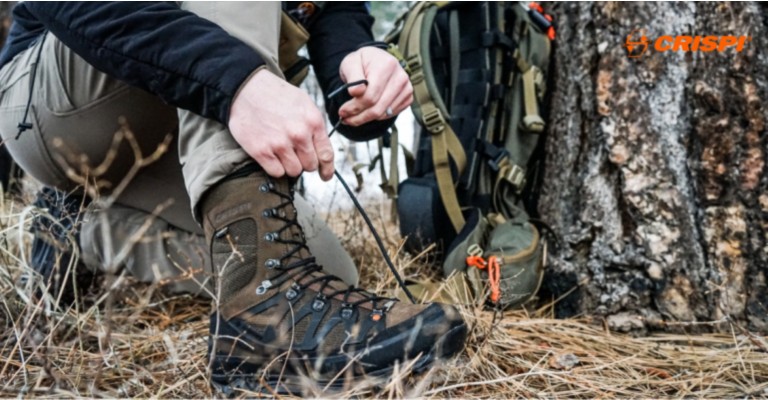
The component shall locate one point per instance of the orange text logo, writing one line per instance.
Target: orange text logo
(637, 43)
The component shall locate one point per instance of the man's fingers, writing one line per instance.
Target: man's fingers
(378, 111)
(403, 100)
(307, 156)
(289, 159)
(387, 83)
(324, 152)
(271, 165)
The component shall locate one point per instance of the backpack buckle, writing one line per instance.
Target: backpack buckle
(434, 121)
(513, 174)
(393, 50)
(413, 66)
(497, 161)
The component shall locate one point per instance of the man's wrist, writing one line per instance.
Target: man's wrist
(242, 85)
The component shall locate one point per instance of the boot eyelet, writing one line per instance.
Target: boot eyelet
(346, 311)
(264, 187)
(318, 304)
(270, 237)
(221, 232)
(266, 213)
(271, 185)
(291, 294)
(376, 315)
(272, 263)
(265, 285)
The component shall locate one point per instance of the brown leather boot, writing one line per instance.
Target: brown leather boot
(274, 302)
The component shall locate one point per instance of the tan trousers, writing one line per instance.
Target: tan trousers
(148, 226)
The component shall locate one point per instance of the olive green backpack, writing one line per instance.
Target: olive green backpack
(479, 71)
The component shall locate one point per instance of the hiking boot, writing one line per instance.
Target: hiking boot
(279, 317)
(56, 230)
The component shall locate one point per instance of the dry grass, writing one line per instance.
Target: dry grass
(132, 341)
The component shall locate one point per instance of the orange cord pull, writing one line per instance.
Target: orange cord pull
(476, 261)
(494, 276)
(494, 273)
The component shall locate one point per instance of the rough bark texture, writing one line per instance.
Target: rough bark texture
(656, 169)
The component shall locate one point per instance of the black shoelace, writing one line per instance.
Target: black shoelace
(302, 269)
(305, 267)
(360, 208)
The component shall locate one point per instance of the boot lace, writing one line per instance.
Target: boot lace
(304, 271)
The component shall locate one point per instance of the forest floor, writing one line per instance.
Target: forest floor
(133, 341)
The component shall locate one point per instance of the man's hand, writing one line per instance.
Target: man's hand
(280, 127)
(388, 86)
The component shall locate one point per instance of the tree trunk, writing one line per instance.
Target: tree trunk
(655, 177)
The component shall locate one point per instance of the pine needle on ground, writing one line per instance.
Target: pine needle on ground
(133, 341)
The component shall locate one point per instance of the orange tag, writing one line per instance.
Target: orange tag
(494, 273)
(494, 276)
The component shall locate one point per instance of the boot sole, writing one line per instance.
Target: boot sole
(229, 385)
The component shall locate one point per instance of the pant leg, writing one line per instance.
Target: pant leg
(75, 111)
(178, 260)
(258, 25)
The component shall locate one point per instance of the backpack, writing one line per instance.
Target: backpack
(478, 71)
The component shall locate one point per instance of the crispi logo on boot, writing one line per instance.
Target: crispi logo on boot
(637, 43)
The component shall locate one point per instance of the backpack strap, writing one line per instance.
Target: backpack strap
(532, 121)
(389, 184)
(445, 144)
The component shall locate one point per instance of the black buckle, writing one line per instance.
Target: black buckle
(495, 162)
(539, 20)
(494, 154)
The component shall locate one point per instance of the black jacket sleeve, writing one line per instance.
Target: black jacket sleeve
(184, 59)
(339, 30)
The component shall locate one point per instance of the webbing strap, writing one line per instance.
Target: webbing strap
(499, 67)
(445, 181)
(385, 182)
(532, 121)
(455, 59)
(445, 143)
(394, 172)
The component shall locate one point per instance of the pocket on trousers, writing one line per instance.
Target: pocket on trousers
(30, 150)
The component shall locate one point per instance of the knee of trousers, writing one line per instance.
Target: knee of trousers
(79, 118)
(148, 248)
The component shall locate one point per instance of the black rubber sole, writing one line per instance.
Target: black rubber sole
(231, 385)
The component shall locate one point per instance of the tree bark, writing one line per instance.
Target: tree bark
(655, 177)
